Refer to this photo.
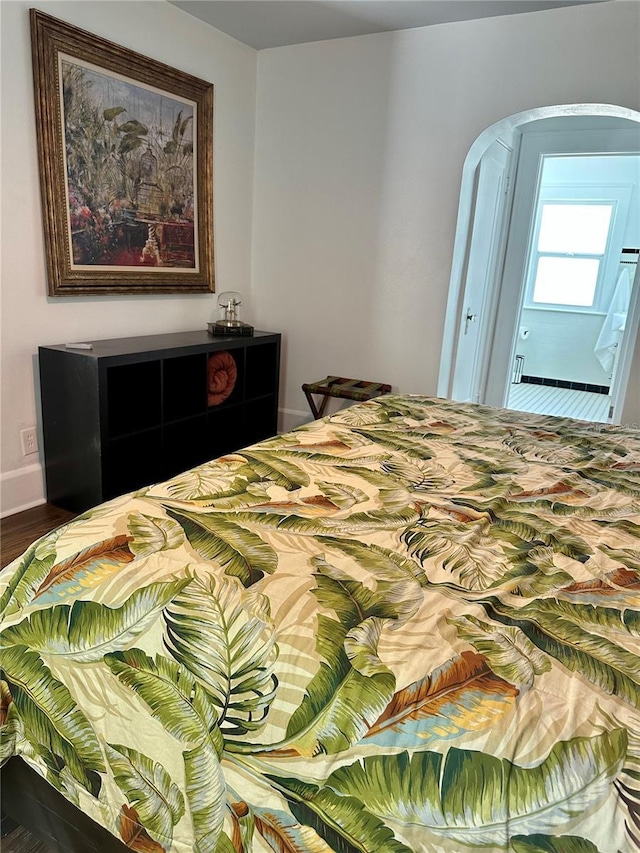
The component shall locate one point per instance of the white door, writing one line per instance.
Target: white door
(483, 272)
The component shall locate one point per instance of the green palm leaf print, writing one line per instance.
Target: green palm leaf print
(571, 634)
(225, 638)
(238, 550)
(148, 788)
(344, 822)
(86, 630)
(550, 844)
(35, 564)
(187, 713)
(151, 534)
(50, 715)
(475, 799)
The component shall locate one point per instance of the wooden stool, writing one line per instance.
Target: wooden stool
(337, 386)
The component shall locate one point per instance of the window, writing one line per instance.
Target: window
(567, 263)
(580, 217)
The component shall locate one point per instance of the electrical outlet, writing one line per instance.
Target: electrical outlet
(29, 438)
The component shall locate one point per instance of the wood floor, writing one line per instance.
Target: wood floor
(21, 841)
(17, 532)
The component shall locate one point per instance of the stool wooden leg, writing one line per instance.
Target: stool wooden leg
(317, 413)
(323, 406)
(311, 403)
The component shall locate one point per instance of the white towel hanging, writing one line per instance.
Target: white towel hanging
(612, 329)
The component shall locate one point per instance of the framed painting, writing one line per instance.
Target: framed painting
(125, 147)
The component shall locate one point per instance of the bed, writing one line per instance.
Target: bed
(411, 626)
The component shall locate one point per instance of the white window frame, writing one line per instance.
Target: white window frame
(618, 196)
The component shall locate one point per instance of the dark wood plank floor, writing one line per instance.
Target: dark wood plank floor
(17, 532)
(21, 841)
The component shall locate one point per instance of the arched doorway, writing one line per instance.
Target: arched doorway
(476, 361)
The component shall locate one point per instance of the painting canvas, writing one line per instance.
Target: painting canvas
(125, 155)
(129, 153)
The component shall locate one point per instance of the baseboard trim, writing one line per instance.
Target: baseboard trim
(21, 489)
(565, 383)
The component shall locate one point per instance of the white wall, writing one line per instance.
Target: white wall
(561, 345)
(359, 151)
(29, 317)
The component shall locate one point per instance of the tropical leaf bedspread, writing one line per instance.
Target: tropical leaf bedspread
(412, 626)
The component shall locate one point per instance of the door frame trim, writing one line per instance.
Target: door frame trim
(484, 302)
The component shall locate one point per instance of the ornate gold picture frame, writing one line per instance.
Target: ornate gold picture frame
(125, 147)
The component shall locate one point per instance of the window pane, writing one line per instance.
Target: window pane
(566, 281)
(575, 228)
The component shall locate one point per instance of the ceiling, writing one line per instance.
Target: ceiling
(274, 23)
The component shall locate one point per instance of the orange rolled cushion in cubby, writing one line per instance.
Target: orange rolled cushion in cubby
(222, 373)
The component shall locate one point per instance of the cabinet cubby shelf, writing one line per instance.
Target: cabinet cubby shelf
(135, 411)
